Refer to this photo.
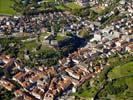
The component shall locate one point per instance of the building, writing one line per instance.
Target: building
(82, 3)
(6, 84)
(129, 48)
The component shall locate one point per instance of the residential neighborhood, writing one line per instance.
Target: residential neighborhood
(68, 51)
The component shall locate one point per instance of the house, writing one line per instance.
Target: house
(27, 85)
(6, 62)
(50, 40)
(54, 42)
(116, 34)
(18, 64)
(26, 56)
(74, 90)
(18, 77)
(120, 43)
(73, 74)
(109, 44)
(82, 3)
(98, 69)
(62, 61)
(23, 96)
(5, 58)
(7, 84)
(18, 93)
(43, 87)
(34, 78)
(104, 40)
(128, 38)
(122, 2)
(38, 93)
(129, 48)
(75, 82)
(49, 95)
(97, 37)
(28, 97)
(65, 83)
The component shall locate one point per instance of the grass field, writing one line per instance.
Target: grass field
(86, 91)
(43, 35)
(5, 7)
(71, 5)
(59, 37)
(129, 81)
(121, 71)
(30, 45)
(118, 73)
(127, 94)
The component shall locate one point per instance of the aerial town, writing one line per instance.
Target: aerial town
(66, 49)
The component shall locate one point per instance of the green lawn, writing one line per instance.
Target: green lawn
(30, 45)
(69, 6)
(61, 7)
(42, 35)
(86, 91)
(5, 7)
(59, 37)
(121, 71)
(49, 0)
(127, 94)
(73, 5)
(129, 82)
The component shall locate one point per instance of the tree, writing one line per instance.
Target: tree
(25, 6)
(1, 72)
